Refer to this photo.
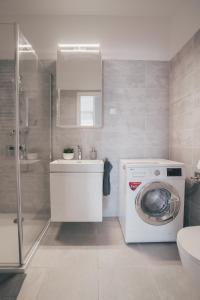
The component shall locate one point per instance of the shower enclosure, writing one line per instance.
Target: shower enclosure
(25, 148)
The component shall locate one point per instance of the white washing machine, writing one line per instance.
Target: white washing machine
(151, 200)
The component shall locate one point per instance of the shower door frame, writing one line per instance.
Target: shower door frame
(17, 161)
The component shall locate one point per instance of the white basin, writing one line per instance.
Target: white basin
(76, 166)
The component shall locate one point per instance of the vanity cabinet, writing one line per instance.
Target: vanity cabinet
(76, 196)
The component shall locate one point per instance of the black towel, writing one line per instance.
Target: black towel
(106, 177)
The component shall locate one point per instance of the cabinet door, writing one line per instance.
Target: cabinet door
(76, 197)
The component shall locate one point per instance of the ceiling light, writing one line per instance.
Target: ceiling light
(80, 50)
(83, 48)
(79, 45)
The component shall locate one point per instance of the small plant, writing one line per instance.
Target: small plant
(68, 150)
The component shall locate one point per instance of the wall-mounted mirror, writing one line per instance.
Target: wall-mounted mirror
(79, 109)
(79, 86)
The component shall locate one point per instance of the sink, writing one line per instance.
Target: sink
(76, 166)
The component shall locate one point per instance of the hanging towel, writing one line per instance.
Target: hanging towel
(106, 177)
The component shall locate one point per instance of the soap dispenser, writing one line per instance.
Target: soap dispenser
(93, 153)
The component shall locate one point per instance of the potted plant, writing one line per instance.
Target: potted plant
(68, 153)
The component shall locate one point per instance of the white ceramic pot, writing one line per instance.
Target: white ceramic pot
(68, 155)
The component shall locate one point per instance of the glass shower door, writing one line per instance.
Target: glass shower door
(34, 133)
(9, 245)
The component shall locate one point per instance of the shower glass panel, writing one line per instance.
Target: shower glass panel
(25, 124)
(34, 140)
(9, 245)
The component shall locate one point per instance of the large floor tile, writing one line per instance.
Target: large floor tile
(122, 257)
(127, 284)
(70, 240)
(73, 283)
(32, 284)
(160, 253)
(45, 258)
(174, 283)
(62, 257)
(109, 236)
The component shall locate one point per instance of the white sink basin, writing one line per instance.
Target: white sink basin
(76, 166)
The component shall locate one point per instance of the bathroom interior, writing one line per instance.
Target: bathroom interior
(100, 150)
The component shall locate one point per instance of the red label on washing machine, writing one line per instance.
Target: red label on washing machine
(134, 185)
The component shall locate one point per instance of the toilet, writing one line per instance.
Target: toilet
(188, 242)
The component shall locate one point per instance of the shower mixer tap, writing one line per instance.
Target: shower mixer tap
(22, 149)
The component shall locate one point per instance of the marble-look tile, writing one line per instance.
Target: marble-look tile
(153, 121)
(156, 137)
(51, 257)
(124, 73)
(197, 49)
(185, 104)
(78, 283)
(157, 74)
(174, 283)
(187, 57)
(155, 152)
(34, 280)
(121, 257)
(160, 253)
(157, 100)
(127, 284)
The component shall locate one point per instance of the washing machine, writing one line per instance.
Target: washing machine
(151, 199)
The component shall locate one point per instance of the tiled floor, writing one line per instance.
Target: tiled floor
(91, 262)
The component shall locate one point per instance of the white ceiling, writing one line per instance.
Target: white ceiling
(158, 8)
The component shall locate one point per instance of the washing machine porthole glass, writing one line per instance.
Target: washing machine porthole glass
(157, 203)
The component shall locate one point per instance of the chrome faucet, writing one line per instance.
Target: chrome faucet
(79, 152)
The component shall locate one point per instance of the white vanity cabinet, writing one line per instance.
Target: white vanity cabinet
(76, 190)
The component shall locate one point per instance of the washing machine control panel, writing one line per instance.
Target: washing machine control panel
(157, 172)
(146, 172)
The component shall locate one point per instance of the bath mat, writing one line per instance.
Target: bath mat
(10, 285)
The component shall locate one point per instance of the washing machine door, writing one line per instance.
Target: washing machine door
(157, 203)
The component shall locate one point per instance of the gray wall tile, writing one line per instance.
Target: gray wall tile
(184, 105)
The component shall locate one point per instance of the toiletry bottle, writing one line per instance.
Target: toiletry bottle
(93, 153)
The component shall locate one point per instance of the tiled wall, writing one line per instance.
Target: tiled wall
(8, 201)
(138, 90)
(185, 105)
(35, 177)
(35, 88)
